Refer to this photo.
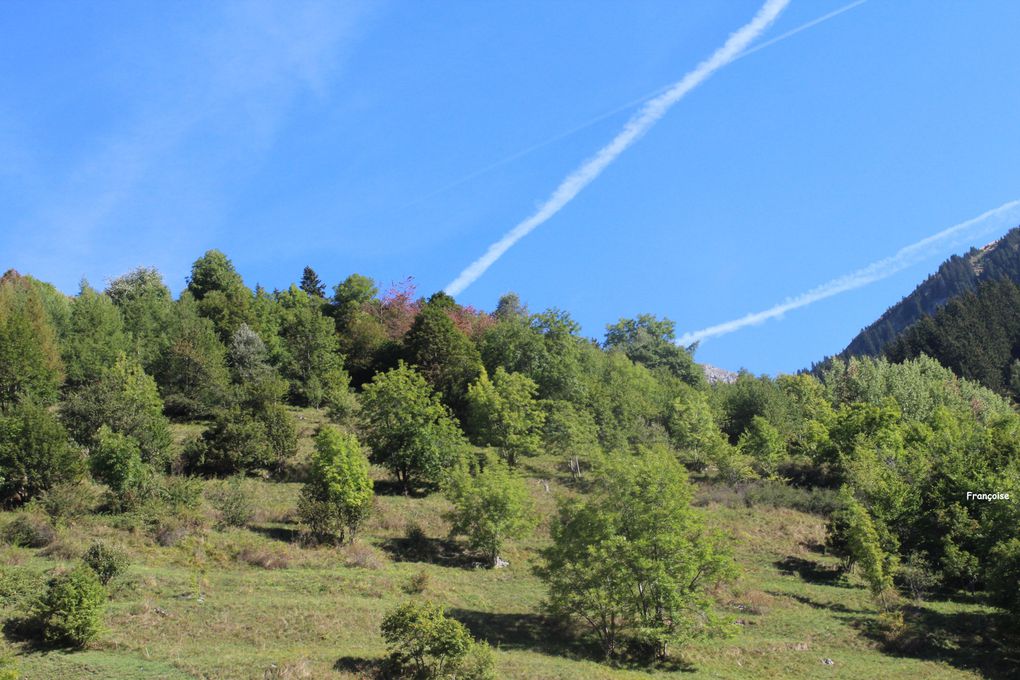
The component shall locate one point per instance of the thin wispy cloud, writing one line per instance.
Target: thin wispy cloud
(196, 124)
(635, 128)
(993, 221)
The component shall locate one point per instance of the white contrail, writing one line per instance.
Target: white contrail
(1007, 213)
(618, 109)
(638, 125)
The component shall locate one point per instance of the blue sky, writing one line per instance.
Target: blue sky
(330, 134)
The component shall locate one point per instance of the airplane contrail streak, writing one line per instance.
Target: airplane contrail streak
(638, 125)
(1008, 213)
(618, 109)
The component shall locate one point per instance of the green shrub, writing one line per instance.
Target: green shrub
(424, 642)
(108, 562)
(29, 530)
(280, 431)
(126, 400)
(818, 501)
(180, 492)
(35, 454)
(235, 442)
(479, 663)
(68, 500)
(418, 583)
(116, 460)
(71, 610)
(1004, 574)
(233, 502)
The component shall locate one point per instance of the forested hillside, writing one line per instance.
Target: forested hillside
(347, 482)
(957, 275)
(976, 334)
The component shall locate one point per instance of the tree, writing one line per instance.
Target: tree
(489, 507)
(570, 431)
(442, 353)
(652, 342)
(30, 364)
(257, 384)
(146, 307)
(510, 307)
(192, 371)
(693, 430)
(852, 533)
(338, 494)
(425, 643)
(410, 432)
(764, 445)
(95, 336)
(236, 442)
(633, 559)
(220, 293)
(312, 363)
(34, 453)
(503, 413)
(349, 296)
(311, 284)
(126, 400)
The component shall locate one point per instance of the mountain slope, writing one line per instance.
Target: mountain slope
(956, 276)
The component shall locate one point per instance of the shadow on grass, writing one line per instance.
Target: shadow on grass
(537, 633)
(831, 606)
(523, 631)
(391, 487)
(362, 667)
(981, 642)
(285, 534)
(421, 548)
(813, 547)
(28, 631)
(810, 571)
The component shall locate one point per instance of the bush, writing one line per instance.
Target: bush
(280, 431)
(918, 576)
(108, 562)
(29, 530)
(1003, 575)
(126, 400)
(424, 642)
(179, 492)
(116, 460)
(235, 442)
(262, 557)
(363, 556)
(418, 583)
(72, 607)
(68, 500)
(817, 501)
(233, 502)
(478, 664)
(35, 454)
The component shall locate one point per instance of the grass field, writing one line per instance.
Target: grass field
(255, 603)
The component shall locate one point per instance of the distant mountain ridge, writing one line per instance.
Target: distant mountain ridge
(958, 275)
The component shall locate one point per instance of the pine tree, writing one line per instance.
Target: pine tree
(311, 284)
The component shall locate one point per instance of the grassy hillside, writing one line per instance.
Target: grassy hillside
(256, 603)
